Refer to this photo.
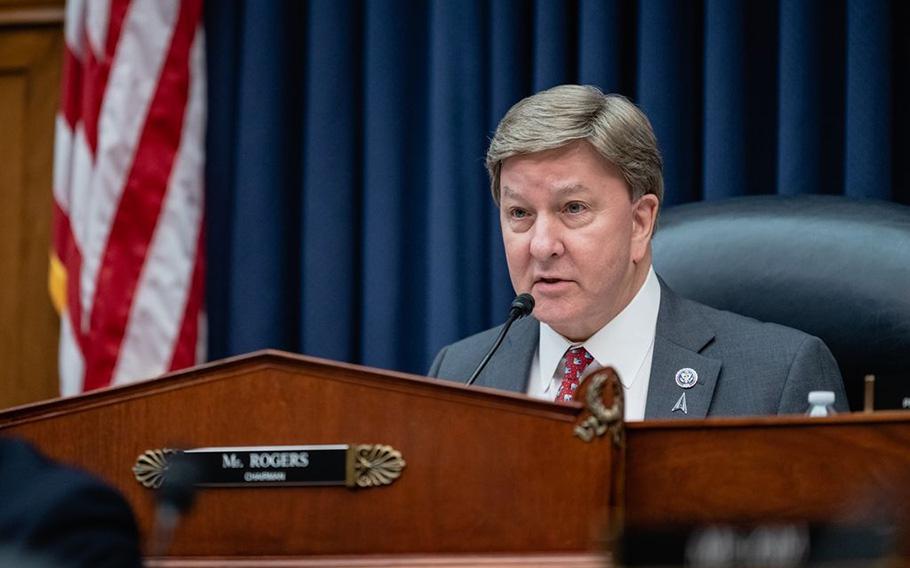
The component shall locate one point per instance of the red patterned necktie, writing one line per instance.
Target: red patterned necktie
(577, 360)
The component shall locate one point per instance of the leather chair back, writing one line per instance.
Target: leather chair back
(831, 266)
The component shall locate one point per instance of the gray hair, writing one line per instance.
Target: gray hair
(554, 118)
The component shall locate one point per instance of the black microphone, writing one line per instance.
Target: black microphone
(522, 305)
(175, 497)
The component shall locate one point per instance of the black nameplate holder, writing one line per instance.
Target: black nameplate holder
(351, 465)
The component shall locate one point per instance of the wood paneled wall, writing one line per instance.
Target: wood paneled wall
(31, 52)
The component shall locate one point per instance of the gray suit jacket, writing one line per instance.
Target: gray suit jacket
(745, 367)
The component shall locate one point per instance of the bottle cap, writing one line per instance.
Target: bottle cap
(821, 398)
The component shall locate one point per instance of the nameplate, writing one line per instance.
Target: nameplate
(351, 465)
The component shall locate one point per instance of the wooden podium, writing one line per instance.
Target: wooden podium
(491, 478)
(486, 472)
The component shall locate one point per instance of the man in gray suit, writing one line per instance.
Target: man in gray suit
(577, 176)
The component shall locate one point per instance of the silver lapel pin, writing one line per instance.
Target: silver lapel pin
(686, 378)
(681, 404)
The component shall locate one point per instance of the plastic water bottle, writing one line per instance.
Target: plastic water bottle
(821, 403)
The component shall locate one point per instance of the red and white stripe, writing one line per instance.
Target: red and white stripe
(128, 191)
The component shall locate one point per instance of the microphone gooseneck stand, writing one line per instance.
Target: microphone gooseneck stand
(521, 306)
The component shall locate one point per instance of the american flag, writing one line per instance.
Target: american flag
(127, 266)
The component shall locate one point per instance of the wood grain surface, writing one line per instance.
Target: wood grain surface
(851, 468)
(31, 55)
(486, 471)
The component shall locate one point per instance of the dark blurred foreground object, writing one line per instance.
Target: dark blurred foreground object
(831, 266)
(52, 515)
(174, 499)
(768, 546)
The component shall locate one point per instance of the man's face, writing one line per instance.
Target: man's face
(573, 237)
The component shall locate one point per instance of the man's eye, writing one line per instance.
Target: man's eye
(518, 213)
(575, 207)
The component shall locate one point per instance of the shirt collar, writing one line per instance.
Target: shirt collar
(622, 343)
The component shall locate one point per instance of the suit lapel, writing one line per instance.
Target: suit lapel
(664, 393)
(510, 367)
(681, 335)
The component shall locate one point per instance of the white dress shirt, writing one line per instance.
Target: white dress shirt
(626, 343)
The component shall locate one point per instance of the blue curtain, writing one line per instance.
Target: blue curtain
(349, 214)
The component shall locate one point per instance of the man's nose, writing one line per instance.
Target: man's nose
(546, 240)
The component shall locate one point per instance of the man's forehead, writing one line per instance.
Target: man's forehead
(561, 190)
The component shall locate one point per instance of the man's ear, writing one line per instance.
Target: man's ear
(644, 217)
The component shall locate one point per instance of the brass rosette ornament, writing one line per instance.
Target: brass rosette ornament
(375, 465)
(151, 466)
